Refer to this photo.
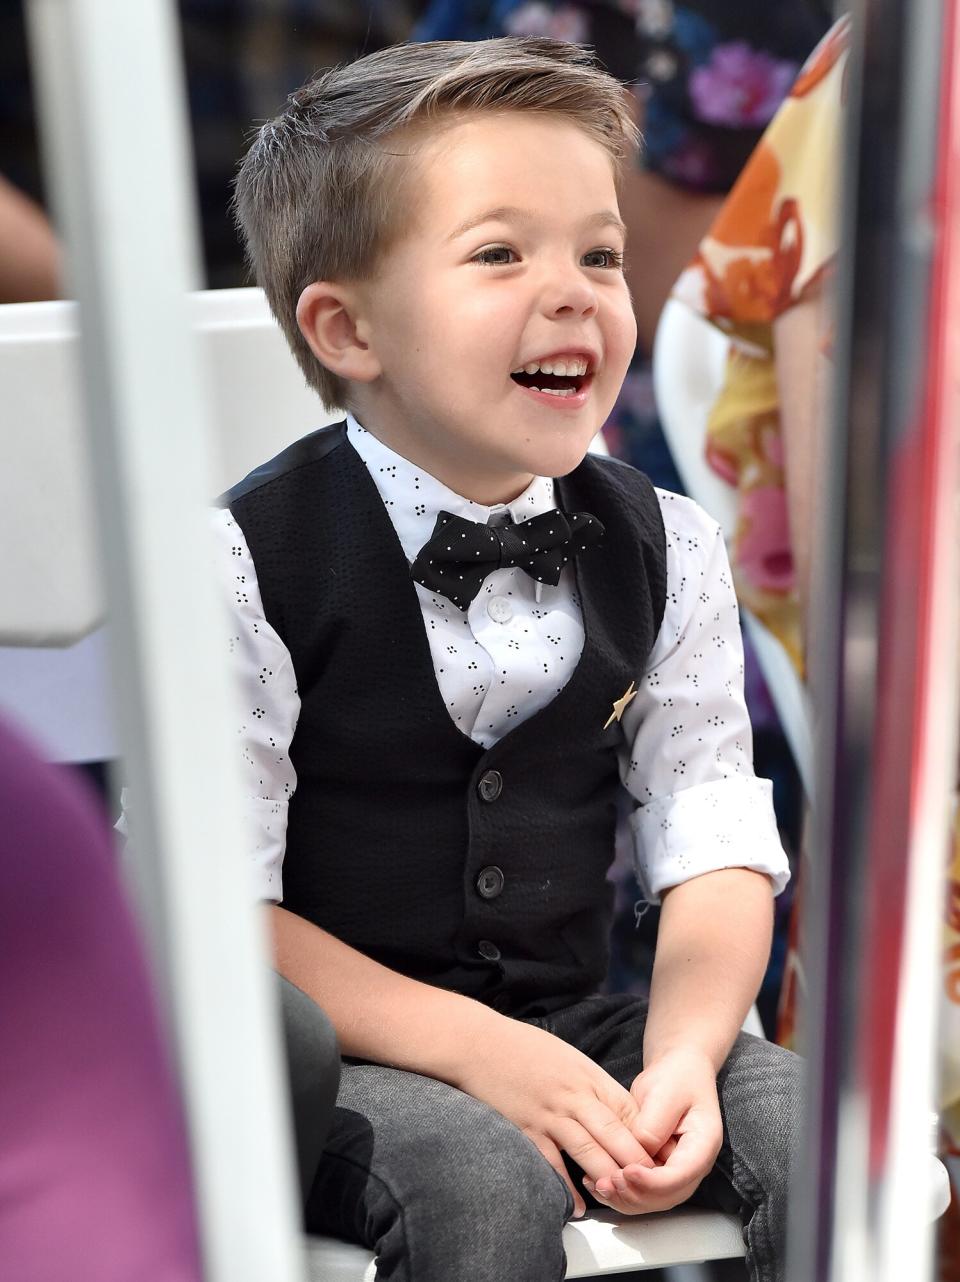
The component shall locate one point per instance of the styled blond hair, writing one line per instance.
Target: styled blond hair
(319, 195)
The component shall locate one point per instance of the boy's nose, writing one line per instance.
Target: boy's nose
(567, 293)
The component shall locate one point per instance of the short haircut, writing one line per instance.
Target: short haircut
(319, 195)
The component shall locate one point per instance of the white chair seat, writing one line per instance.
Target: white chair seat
(604, 1244)
(600, 1245)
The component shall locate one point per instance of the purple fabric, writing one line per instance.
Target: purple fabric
(94, 1175)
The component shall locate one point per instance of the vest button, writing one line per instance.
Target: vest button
(490, 785)
(490, 882)
(490, 952)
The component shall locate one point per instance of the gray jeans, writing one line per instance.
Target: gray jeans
(313, 1075)
(445, 1189)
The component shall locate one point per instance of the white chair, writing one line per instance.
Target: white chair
(689, 359)
(601, 1245)
(50, 585)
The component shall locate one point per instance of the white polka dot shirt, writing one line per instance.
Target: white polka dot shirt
(686, 759)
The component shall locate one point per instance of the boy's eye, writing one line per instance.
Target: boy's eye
(503, 256)
(495, 256)
(603, 258)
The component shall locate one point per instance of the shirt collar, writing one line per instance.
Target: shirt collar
(413, 498)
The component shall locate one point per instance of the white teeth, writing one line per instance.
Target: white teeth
(557, 391)
(571, 366)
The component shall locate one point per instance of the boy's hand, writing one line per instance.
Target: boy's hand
(679, 1124)
(561, 1100)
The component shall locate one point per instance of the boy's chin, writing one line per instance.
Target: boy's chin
(562, 455)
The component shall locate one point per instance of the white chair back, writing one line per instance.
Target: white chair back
(50, 588)
(50, 592)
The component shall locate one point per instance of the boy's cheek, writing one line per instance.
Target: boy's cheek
(627, 331)
(618, 370)
(613, 376)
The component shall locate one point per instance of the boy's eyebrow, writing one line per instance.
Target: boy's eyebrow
(512, 214)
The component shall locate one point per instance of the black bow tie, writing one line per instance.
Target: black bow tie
(460, 554)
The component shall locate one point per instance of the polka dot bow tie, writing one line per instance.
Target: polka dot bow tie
(460, 553)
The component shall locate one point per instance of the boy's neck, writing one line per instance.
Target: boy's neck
(488, 490)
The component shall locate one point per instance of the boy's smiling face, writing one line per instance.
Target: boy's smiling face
(511, 259)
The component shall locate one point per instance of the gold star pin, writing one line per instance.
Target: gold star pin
(620, 705)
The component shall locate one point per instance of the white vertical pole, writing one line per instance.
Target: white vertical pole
(114, 131)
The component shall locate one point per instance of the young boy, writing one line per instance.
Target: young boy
(460, 638)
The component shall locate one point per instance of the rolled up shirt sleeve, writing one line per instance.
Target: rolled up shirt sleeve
(689, 758)
(269, 709)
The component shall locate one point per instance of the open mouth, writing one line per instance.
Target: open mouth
(561, 377)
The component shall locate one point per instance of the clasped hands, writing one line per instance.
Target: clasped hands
(678, 1125)
(643, 1149)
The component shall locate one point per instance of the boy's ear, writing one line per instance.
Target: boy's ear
(327, 316)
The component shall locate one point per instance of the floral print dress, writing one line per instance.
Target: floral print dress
(775, 240)
(772, 243)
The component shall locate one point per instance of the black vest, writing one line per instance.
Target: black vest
(479, 871)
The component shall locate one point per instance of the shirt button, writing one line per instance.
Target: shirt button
(490, 882)
(490, 785)
(500, 609)
(488, 951)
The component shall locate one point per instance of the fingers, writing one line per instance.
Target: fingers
(691, 1158)
(639, 1189)
(552, 1155)
(620, 1194)
(657, 1119)
(571, 1136)
(611, 1133)
(666, 1150)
